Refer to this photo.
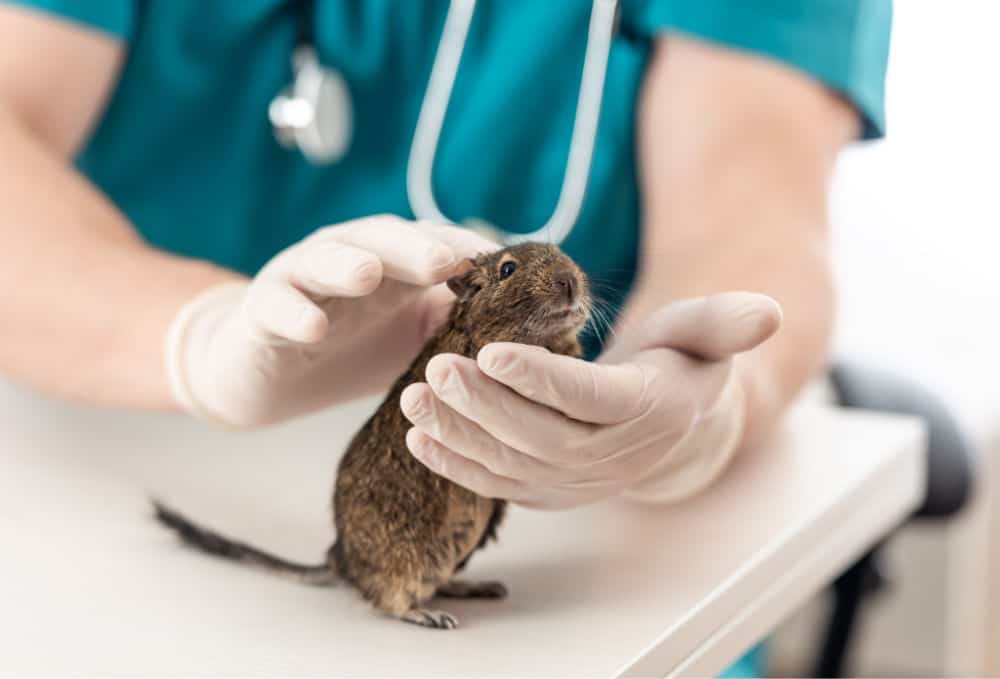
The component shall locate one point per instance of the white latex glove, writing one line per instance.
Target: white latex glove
(335, 316)
(657, 418)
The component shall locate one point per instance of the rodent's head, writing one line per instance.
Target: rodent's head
(528, 293)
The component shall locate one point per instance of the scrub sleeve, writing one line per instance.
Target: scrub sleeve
(842, 43)
(116, 17)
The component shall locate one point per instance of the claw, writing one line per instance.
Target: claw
(428, 618)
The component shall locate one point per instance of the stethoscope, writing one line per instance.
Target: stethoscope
(314, 115)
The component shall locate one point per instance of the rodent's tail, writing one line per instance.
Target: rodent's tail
(213, 543)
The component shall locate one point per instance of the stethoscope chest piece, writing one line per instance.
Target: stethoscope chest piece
(314, 113)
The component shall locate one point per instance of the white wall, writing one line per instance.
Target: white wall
(917, 216)
(916, 222)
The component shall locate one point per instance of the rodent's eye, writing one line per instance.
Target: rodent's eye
(507, 269)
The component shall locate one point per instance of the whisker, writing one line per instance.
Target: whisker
(600, 324)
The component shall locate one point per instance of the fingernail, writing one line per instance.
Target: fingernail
(497, 363)
(310, 322)
(440, 257)
(413, 404)
(451, 385)
(486, 359)
(762, 315)
(366, 272)
(415, 442)
(420, 449)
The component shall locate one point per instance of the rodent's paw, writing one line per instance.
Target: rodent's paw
(432, 619)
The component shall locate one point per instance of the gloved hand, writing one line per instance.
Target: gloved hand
(657, 417)
(335, 316)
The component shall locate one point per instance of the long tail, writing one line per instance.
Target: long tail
(213, 543)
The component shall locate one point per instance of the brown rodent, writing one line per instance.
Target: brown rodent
(403, 531)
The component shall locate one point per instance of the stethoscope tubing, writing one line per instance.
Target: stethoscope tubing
(297, 116)
(435, 105)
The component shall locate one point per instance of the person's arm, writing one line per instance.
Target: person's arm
(85, 303)
(736, 155)
(91, 312)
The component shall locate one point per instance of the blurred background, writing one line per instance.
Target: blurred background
(916, 222)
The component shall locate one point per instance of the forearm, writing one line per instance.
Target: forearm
(781, 251)
(737, 158)
(87, 303)
(772, 374)
(765, 379)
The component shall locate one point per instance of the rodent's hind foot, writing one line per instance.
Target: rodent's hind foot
(463, 589)
(428, 618)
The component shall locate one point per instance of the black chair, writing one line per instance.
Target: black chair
(950, 464)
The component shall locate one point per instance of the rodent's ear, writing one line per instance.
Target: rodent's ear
(464, 280)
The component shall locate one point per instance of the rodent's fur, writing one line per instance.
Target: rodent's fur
(403, 531)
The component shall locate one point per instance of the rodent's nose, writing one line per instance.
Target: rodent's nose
(565, 285)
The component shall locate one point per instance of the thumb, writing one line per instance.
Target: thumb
(437, 302)
(711, 328)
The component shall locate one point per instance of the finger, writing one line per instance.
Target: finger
(438, 302)
(710, 328)
(336, 270)
(468, 439)
(602, 394)
(280, 310)
(464, 242)
(622, 458)
(390, 297)
(408, 253)
(402, 332)
(475, 477)
(461, 470)
(521, 423)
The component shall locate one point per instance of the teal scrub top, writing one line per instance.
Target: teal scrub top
(186, 151)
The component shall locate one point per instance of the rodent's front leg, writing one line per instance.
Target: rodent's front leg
(567, 345)
(463, 589)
